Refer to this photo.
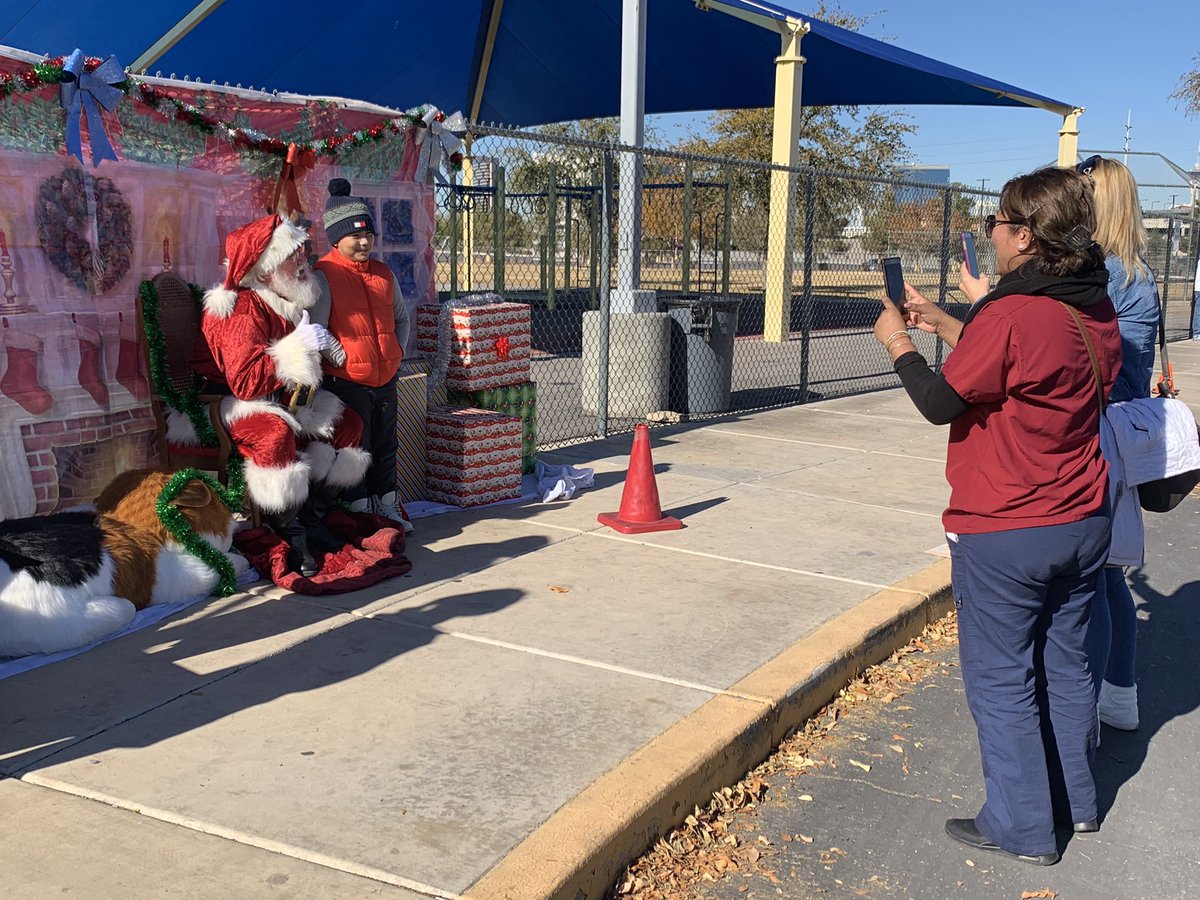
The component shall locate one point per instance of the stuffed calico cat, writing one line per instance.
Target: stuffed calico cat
(71, 578)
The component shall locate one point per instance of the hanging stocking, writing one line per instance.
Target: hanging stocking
(129, 358)
(20, 382)
(91, 357)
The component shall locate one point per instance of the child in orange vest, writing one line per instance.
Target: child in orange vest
(363, 307)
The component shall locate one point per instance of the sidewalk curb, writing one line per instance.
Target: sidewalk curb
(582, 849)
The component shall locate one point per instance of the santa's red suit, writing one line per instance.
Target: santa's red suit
(252, 344)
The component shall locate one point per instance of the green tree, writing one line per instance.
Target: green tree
(1188, 91)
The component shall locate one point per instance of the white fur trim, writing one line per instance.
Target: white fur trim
(220, 301)
(294, 362)
(284, 241)
(275, 490)
(320, 456)
(286, 309)
(233, 410)
(319, 418)
(180, 429)
(349, 468)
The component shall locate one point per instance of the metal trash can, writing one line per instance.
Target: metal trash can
(702, 331)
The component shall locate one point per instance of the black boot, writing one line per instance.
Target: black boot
(312, 516)
(289, 527)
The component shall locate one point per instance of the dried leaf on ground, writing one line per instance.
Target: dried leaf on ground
(558, 589)
(1044, 893)
(862, 765)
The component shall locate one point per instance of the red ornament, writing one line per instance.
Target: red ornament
(57, 62)
(30, 78)
(456, 159)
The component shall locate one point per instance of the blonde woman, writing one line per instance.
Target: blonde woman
(1134, 293)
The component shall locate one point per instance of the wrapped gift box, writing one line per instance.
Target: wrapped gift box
(489, 343)
(427, 329)
(518, 400)
(412, 405)
(473, 456)
(436, 390)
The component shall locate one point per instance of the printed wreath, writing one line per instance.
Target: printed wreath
(63, 223)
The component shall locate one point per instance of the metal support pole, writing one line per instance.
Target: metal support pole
(606, 212)
(633, 108)
(499, 211)
(551, 235)
(453, 235)
(806, 296)
(542, 263)
(945, 270)
(726, 243)
(567, 247)
(468, 224)
(685, 283)
(785, 147)
(594, 248)
(1068, 139)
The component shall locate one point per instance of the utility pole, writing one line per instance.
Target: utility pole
(983, 187)
(1128, 129)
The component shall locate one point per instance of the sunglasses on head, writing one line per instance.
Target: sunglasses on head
(1086, 167)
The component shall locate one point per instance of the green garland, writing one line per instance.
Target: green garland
(187, 402)
(181, 529)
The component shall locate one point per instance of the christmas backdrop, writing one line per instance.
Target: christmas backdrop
(192, 163)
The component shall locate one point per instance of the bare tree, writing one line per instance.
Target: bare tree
(1188, 91)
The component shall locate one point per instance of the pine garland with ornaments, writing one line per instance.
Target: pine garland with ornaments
(49, 72)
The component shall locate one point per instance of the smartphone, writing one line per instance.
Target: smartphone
(893, 280)
(972, 261)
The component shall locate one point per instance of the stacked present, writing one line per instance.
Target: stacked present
(488, 343)
(518, 400)
(474, 456)
(477, 447)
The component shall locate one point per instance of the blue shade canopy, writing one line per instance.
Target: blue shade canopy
(518, 62)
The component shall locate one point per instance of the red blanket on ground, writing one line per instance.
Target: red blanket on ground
(374, 551)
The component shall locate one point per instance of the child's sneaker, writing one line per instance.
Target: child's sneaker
(388, 507)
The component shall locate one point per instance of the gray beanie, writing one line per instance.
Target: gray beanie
(345, 214)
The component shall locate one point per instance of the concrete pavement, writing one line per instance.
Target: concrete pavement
(521, 714)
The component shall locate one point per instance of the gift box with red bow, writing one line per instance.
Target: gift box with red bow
(487, 345)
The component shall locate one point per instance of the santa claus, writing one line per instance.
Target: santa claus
(259, 343)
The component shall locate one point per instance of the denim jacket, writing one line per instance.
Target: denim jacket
(1137, 316)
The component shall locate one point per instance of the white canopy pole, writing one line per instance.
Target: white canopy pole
(633, 111)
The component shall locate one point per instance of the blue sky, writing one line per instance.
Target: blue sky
(1106, 56)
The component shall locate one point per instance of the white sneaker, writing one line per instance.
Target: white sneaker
(364, 505)
(387, 507)
(1119, 706)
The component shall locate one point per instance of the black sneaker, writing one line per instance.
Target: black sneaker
(964, 831)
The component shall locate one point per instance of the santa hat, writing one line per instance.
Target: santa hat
(252, 253)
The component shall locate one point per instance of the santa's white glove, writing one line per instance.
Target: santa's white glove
(313, 335)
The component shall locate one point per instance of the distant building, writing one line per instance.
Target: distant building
(484, 169)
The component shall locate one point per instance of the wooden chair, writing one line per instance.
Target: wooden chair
(174, 325)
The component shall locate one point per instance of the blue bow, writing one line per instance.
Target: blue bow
(80, 92)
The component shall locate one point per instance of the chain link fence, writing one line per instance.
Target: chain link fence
(716, 314)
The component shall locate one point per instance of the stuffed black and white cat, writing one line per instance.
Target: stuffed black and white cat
(71, 578)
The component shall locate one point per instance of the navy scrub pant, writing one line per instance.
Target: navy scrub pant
(1024, 598)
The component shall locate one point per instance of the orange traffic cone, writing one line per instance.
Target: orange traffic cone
(640, 511)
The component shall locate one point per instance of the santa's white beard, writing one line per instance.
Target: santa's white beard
(302, 294)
